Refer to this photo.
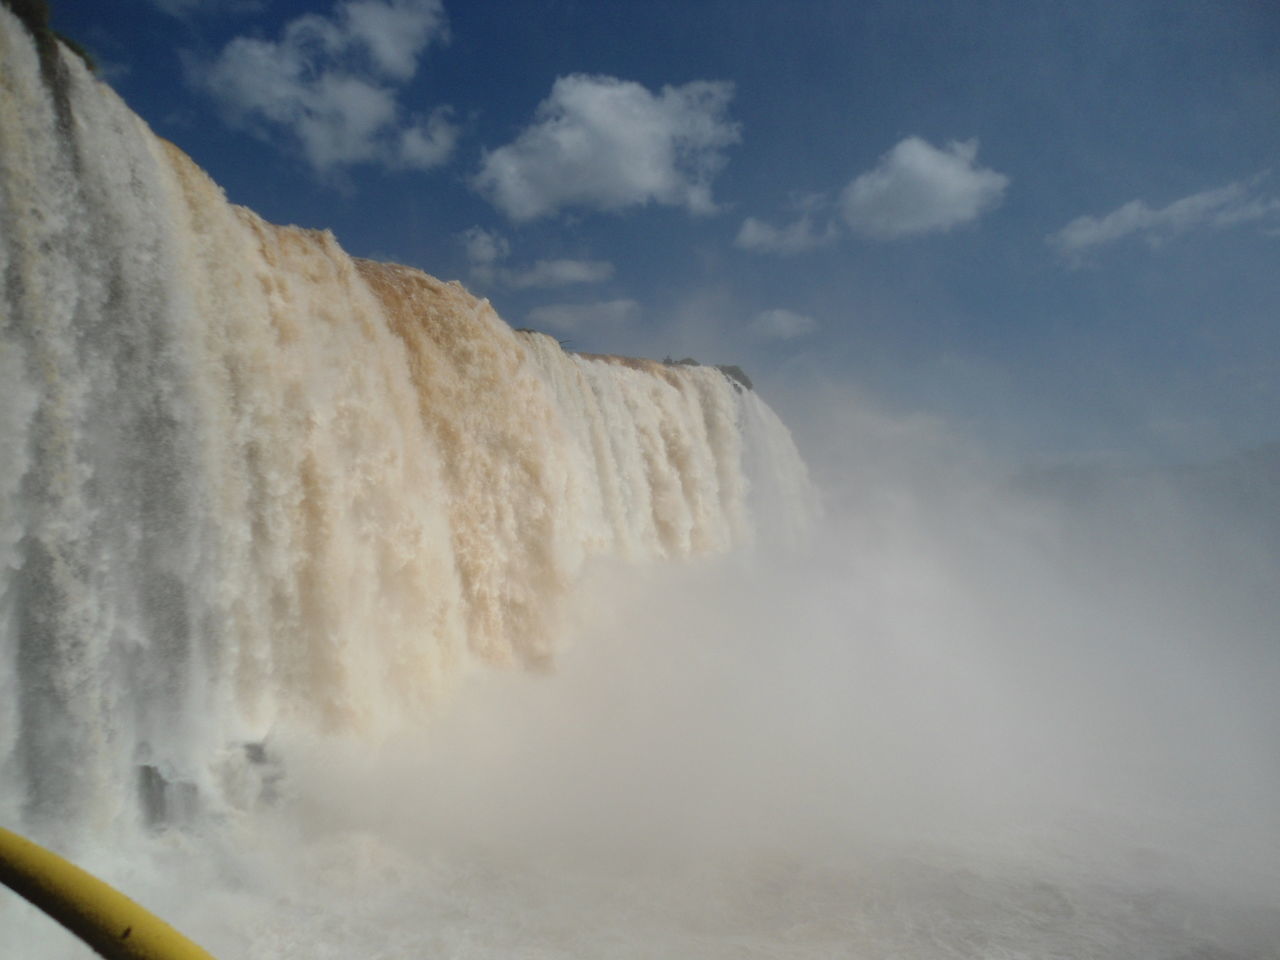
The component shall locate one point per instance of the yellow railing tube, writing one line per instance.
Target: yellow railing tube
(98, 914)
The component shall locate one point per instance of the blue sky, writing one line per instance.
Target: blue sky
(1055, 225)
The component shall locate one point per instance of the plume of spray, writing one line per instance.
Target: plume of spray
(977, 714)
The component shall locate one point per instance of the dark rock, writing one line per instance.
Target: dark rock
(736, 374)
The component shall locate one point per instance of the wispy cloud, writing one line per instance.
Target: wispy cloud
(484, 247)
(798, 236)
(559, 273)
(487, 249)
(780, 324)
(917, 189)
(329, 85)
(1221, 207)
(601, 143)
(574, 317)
(185, 8)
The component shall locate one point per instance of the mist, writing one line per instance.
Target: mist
(980, 713)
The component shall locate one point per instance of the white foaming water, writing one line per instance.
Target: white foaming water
(270, 517)
(255, 485)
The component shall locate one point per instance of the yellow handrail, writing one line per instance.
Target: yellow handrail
(97, 913)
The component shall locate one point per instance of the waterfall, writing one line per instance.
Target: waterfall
(339, 619)
(250, 483)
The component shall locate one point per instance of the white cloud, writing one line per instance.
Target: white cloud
(602, 143)
(571, 317)
(392, 32)
(428, 143)
(486, 249)
(559, 273)
(1221, 207)
(917, 188)
(330, 84)
(780, 324)
(796, 237)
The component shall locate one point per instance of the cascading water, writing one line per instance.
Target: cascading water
(251, 483)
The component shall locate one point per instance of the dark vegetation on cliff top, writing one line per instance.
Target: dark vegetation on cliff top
(737, 376)
(735, 373)
(34, 14)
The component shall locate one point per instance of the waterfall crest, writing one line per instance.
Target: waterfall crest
(249, 481)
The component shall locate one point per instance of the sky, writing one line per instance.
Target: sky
(1054, 226)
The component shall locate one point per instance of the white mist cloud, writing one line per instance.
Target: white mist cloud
(428, 143)
(330, 85)
(780, 324)
(486, 249)
(967, 713)
(917, 189)
(570, 317)
(796, 237)
(1221, 207)
(559, 273)
(606, 144)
